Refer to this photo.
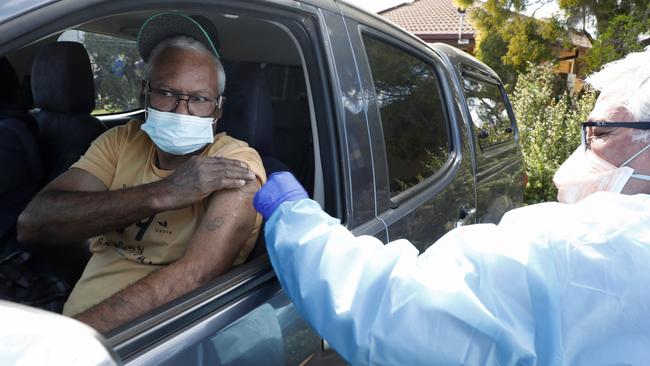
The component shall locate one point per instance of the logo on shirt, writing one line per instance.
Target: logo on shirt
(124, 250)
(163, 228)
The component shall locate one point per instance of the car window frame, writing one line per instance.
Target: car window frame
(133, 339)
(468, 72)
(159, 322)
(440, 176)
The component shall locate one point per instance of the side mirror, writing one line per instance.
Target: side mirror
(32, 336)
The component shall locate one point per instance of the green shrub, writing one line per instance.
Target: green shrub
(549, 127)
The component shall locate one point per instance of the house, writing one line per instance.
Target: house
(442, 21)
(434, 21)
(571, 59)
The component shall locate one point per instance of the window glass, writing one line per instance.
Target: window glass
(412, 115)
(117, 69)
(488, 111)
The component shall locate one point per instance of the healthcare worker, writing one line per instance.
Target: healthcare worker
(552, 284)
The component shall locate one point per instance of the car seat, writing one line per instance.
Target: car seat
(23, 276)
(248, 116)
(23, 170)
(64, 94)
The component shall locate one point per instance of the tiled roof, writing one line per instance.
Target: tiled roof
(429, 17)
(579, 39)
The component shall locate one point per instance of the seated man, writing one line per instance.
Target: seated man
(168, 202)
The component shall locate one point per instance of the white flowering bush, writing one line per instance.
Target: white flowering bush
(549, 127)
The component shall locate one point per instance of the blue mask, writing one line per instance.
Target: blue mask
(178, 134)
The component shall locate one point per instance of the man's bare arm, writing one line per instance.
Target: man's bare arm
(77, 205)
(213, 248)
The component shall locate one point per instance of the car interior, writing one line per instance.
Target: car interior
(268, 101)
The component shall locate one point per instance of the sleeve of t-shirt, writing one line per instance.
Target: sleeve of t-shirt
(101, 157)
(242, 152)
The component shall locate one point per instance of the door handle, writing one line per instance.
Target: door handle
(465, 216)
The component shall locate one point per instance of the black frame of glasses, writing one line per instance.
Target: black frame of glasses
(218, 100)
(637, 125)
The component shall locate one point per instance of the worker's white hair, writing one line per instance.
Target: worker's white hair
(187, 43)
(626, 83)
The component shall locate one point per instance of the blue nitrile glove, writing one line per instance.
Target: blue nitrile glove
(280, 187)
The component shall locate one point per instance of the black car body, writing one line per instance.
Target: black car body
(354, 131)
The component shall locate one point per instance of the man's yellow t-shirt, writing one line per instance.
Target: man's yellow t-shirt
(124, 157)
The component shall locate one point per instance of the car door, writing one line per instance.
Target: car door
(250, 320)
(422, 166)
(500, 176)
(243, 317)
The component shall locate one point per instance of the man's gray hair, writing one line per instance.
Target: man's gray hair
(626, 83)
(187, 43)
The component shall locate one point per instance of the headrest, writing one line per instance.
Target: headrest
(10, 86)
(62, 79)
(248, 113)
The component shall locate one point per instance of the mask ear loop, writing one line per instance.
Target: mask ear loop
(219, 105)
(635, 155)
(638, 176)
(146, 101)
(146, 109)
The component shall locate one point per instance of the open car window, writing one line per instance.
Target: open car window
(269, 105)
(117, 70)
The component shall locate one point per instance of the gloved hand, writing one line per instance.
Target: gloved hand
(280, 187)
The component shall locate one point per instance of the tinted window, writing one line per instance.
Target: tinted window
(488, 110)
(412, 115)
(117, 69)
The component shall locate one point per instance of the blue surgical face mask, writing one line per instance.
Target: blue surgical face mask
(178, 134)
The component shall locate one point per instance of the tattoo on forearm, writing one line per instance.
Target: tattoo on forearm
(118, 303)
(215, 224)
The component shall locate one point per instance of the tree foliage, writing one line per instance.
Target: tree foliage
(506, 41)
(604, 11)
(118, 71)
(549, 127)
(620, 37)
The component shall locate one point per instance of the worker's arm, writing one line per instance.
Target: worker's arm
(77, 205)
(552, 284)
(227, 224)
(382, 304)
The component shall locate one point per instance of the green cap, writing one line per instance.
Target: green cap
(170, 24)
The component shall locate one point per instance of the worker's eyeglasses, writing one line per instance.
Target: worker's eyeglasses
(167, 101)
(609, 124)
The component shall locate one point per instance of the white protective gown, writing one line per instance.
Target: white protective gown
(552, 284)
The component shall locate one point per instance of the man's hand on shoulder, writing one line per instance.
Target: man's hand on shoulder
(200, 176)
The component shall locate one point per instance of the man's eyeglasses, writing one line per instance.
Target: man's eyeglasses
(609, 124)
(167, 101)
